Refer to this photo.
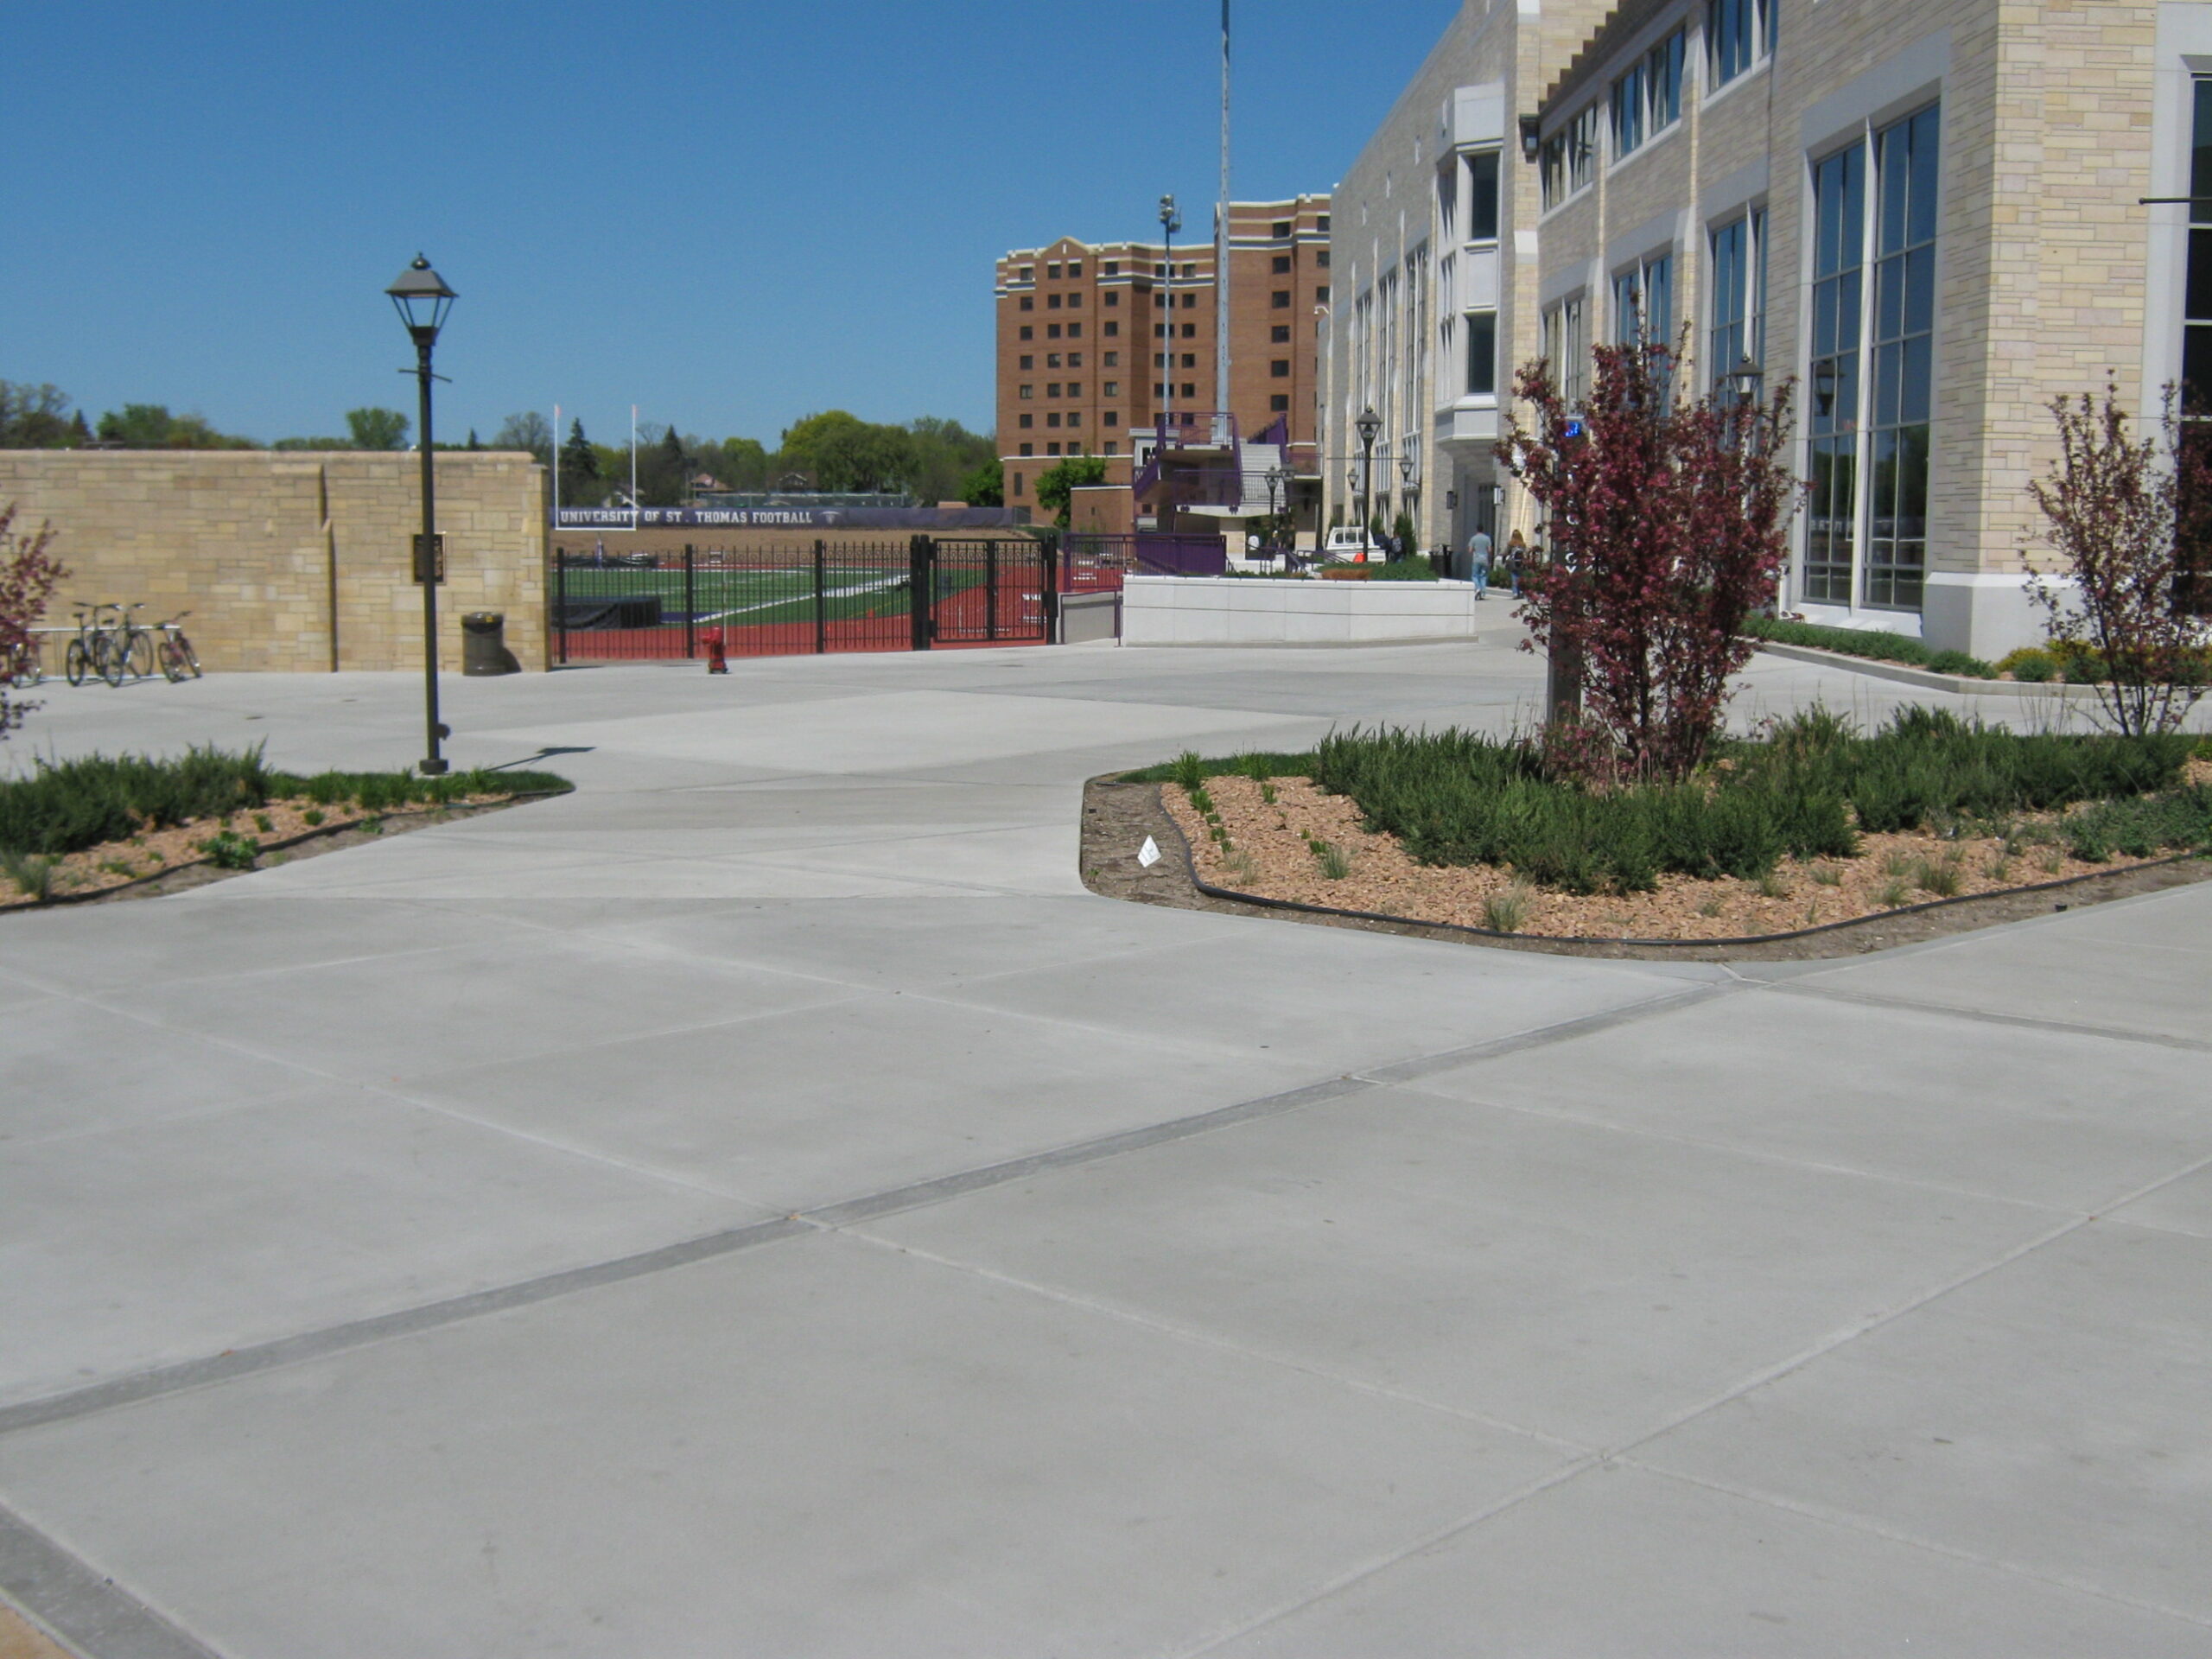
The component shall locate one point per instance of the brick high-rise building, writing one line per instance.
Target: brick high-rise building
(1097, 340)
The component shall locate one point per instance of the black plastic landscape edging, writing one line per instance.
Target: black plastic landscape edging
(1191, 863)
(316, 834)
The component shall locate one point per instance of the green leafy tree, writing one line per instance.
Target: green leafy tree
(742, 463)
(1402, 529)
(376, 429)
(663, 470)
(946, 454)
(38, 417)
(150, 426)
(986, 485)
(1055, 485)
(842, 453)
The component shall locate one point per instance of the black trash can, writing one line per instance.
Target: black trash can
(484, 645)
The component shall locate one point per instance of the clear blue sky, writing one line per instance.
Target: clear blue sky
(731, 215)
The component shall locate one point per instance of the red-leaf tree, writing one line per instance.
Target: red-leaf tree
(2132, 523)
(1666, 521)
(28, 575)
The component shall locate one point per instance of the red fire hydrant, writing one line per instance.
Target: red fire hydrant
(717, 659)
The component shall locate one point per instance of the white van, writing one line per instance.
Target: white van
(1350, 542)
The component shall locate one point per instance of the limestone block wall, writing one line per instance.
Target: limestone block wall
(289, 562)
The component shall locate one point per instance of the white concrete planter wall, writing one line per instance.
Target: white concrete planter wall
(1203, 611)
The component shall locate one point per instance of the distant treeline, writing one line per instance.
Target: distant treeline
(930, 459)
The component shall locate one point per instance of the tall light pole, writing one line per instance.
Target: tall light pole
(1367, 424)
(1221, 247)
(421, 298)
(1406, 491)
(1170, 222)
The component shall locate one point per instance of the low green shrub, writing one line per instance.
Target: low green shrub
(66, 806)
(1872, 644)
(2029, 663)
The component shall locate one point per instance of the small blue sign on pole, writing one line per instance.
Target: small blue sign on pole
(1573, 429)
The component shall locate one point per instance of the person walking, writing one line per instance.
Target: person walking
(1517, 555)
(1478, 562)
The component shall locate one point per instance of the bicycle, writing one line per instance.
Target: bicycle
(132, 644)
(178, 658)
(26, 665)
(92, 651)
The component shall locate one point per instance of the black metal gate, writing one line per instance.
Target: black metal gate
(792, 598)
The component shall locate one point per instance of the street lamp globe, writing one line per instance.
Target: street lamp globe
(1367, 424)
(421, 298)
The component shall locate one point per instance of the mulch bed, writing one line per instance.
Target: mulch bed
(1405, 898)
(174, 860)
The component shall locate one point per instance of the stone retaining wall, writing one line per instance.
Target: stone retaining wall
(292, 560)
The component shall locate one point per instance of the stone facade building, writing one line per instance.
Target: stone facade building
(1928, 214)
(1096, 340)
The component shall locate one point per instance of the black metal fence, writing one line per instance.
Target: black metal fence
(792, 598)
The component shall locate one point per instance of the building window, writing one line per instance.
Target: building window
(1190, 331)
(1113, 299)
(1028, 302)
(1052, 389)
(1052, 359)
(1281, 228)
(1870, 449)
(1321, 295)
(1112, 447)
(1279, 334)
(1643, 303)
(1111, 389)
(1279, 300)
(1189, 392)
(1113, 360)
(1026, 331)
(1027, 449)
(1739, 332)
(1075, 269)
(1112, 268)
(1566, 348)
(1028, 391)
(1903, 338)
(1279, 403)
(1052, 302)
(1481, 196)
(2196, 308)
(1051, 331)
(1279, 369)
(1074, 330)
(1648, 99)
(1321, 258)
(1162, 360)
(1075, 360)
(1281, 265)
(1053, 272)
(1028, 273)
(1028, 364)
(1190, 302)
(1053, 448)
(1074, 300)
(1113, 419)
(1737, 33)
(1482, 354)
(1017, 476)
(1113, 331)
(1570, 158)
(1027, 421)
(1322, 224)
(1074, 418)
(1160, 331)
(1075, 388)
(1190, 359)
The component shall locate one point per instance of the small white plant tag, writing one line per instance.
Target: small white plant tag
(1148, 855)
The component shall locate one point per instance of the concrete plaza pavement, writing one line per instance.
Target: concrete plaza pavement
(762, 1203)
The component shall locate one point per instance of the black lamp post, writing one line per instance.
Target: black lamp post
(1368, 425)
(421, 298)
(1278, 489)
(1824, 379)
